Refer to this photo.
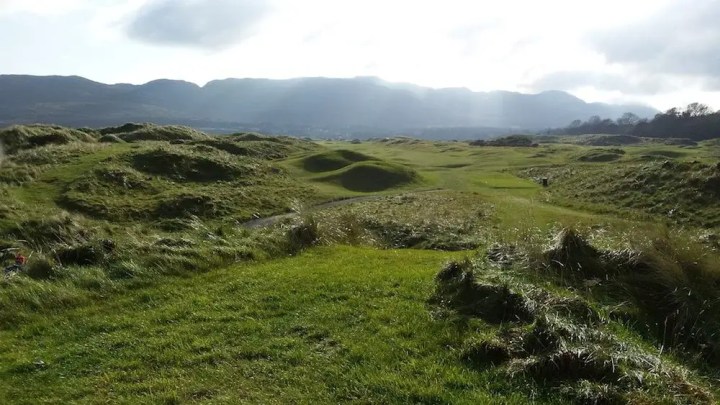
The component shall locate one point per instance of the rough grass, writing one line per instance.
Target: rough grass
(132, 288)
(372, 176)
(333, 160)
(179, 164)
(564, 340)
(601, 155)
(442, 220)
(255, 145)
(23, 137)
(151, 132)
(609, 140)
(681, 192)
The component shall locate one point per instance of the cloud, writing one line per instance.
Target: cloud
(627, 83)
(196, 23)
(682, 39)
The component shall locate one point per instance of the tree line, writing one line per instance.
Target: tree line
(696, 121)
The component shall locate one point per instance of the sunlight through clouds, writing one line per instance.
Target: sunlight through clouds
(516, 45)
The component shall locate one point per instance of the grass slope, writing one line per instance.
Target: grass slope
(372, 176)
(335, 324)
(332, 160)
(111, 217)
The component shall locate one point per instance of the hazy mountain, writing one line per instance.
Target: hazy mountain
(363, 105)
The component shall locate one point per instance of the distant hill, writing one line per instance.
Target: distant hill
(363, 106)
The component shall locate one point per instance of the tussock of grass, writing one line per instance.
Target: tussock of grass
(180, 165)
(457, 290)
(93, 252)
(191, 205)
(569, 347)
(45, 232)
(151, 132)
(440, 220)
(21, 137)
(672, 285)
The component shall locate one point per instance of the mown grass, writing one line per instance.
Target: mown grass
(332, 325)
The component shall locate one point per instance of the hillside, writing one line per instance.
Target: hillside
(312, 106)
(167, 265)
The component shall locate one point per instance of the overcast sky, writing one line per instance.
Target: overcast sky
(663, 53)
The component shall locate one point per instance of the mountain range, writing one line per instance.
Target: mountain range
(362, 106)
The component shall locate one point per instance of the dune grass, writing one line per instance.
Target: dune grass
(143, 285)
(332, 160)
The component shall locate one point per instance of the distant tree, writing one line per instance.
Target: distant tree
(628, 119)
(673, 112)
(594, 120)
(696, 110)
(695, 122)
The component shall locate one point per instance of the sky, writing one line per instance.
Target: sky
(663, 53)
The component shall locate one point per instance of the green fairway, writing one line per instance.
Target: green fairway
(335, 324)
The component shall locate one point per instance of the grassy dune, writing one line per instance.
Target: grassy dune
(143, 285)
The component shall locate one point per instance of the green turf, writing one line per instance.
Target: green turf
(333, 325)
(332, 160)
